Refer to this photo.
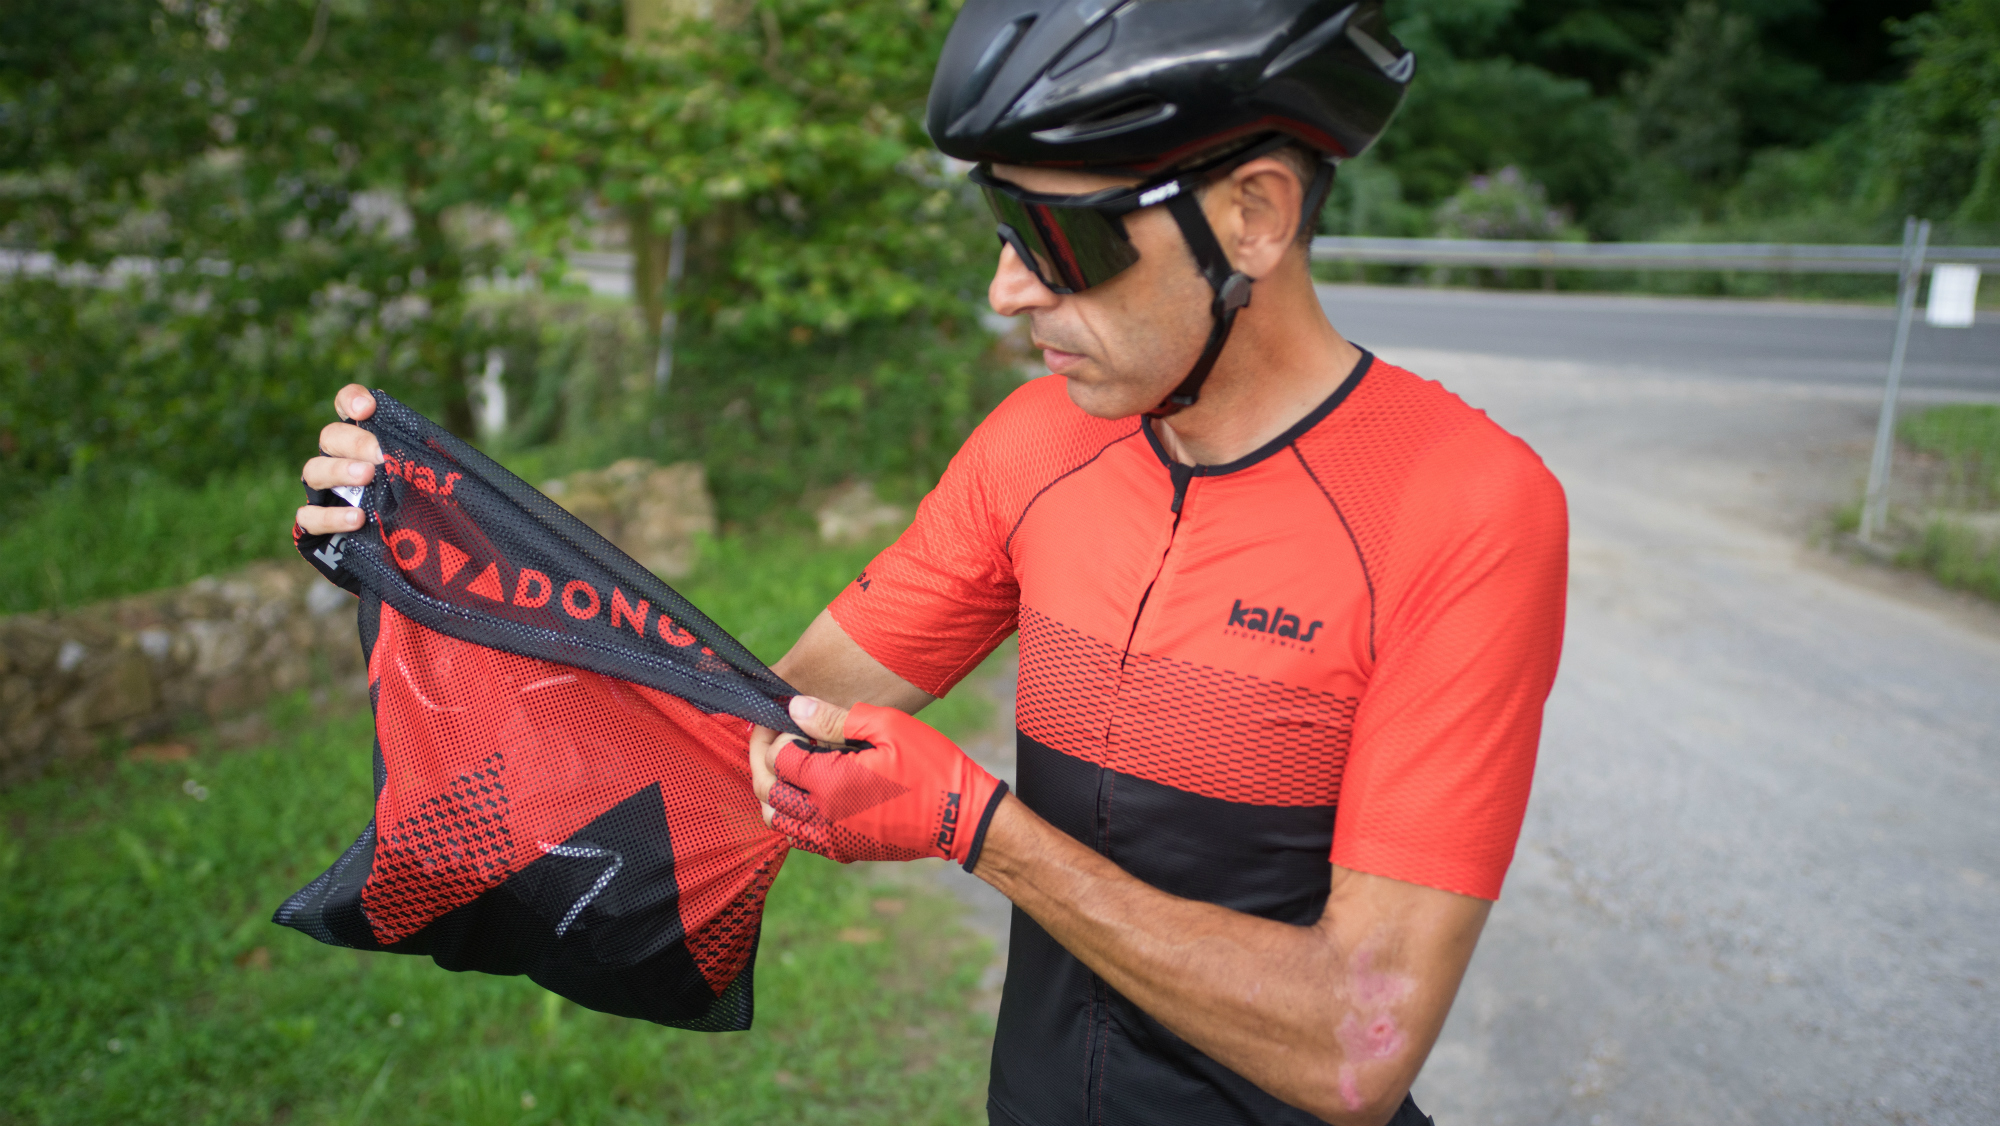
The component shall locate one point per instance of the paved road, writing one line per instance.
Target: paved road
(1794, 342)
(1760, 877)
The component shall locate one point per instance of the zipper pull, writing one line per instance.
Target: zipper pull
(1181, 474)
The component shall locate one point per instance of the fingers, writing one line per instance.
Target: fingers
(353, 403)
(328, 472)
(811, 837)
(344, 440)
(825, 722)
(329, 521)
(763, 764)
(790, 801)
(348, 456)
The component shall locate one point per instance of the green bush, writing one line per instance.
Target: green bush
(1504, 205)
(772, 418)
(174, 493)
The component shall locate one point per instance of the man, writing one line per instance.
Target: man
(1259, 575)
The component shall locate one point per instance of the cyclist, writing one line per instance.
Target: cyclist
(1260, 578)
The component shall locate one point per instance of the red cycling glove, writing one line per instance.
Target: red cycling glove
(911, 794)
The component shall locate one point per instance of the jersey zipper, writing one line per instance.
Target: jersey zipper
(1098, 1015)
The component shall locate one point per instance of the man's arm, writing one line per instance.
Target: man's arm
(831, 666)
(1335, 1018)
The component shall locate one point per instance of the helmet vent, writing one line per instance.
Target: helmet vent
(1310, 43)
(1384, 59)
(1121, 118)
(1088, 46)
(990, 61)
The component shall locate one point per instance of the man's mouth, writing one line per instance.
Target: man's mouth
(1059, 361)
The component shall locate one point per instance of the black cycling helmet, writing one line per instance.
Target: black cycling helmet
(1141, 85)
(1148, 87)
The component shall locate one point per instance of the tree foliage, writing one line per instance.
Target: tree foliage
(313, 185)
(790, 143)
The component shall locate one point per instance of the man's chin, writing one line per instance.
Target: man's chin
(1107, 400)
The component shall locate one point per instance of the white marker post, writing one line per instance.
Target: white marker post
(1875, 507)
(1954, 295)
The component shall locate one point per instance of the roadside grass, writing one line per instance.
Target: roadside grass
(81, 541)
(1966, 437)
(141, 980)
(1957, 537)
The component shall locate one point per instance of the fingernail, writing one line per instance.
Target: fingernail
(804, 708)
(357, 471)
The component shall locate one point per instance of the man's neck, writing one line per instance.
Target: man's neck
(1283, 359)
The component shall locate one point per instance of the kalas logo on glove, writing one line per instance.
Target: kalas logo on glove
(949, 832)
(902, 797)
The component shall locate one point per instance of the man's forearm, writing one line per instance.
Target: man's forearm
(1333, 1019)
(829, 665)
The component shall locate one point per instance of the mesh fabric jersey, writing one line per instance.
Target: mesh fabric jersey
(562, 788)
(1363, 616)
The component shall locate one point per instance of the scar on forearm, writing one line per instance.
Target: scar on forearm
(1368, 1031)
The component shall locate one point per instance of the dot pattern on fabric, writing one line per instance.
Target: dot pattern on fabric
(950, 568)
(562, 784)
(458, 840)
(722, 947)
(1206, 730)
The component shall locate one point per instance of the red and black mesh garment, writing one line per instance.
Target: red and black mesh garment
(561, 783)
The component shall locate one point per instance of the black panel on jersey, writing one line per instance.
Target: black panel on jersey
(1072, 1049)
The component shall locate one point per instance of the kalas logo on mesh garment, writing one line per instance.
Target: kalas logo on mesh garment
(1272, 623)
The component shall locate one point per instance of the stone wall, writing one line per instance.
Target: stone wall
(138, 668)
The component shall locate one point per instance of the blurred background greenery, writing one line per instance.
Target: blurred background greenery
(243, 204)
(213, 213)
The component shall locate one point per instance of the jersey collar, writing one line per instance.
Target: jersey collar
(1292, 434)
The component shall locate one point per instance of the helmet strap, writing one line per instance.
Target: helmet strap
(1232, 295)
(1232, 289)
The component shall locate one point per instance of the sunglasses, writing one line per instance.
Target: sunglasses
(1072, 242)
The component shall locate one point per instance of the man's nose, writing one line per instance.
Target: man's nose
(1015, 288)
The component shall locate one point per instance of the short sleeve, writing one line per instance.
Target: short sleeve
(1443, 754)
(934, 603)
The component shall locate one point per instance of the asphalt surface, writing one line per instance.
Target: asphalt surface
(1760, 876)
(1788, 341)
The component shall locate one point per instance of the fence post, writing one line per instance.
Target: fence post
(1875, 507)
(670, 320)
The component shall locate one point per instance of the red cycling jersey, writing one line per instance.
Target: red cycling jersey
(1364, 614)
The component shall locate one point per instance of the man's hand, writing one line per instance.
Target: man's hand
(910, 793)
(349, 456)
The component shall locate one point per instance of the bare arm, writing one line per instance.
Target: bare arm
(829, 665)
(1335, 1018)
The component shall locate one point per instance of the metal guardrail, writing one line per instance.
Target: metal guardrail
(1781, 258)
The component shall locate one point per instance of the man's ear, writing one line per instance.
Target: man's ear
(1259, 223)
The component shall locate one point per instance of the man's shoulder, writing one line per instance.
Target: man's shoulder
(1405, 446)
